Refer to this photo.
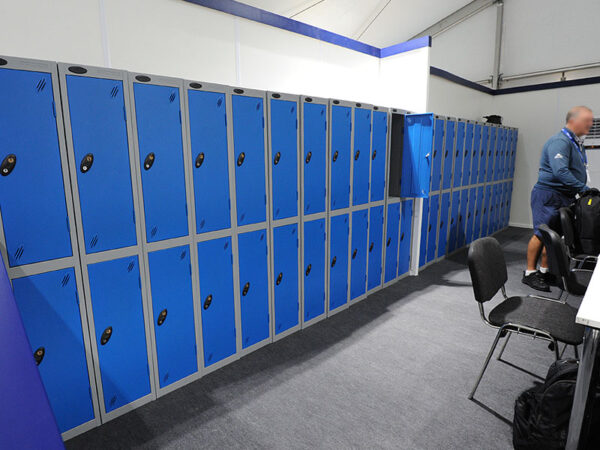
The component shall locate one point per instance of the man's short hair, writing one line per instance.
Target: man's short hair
(574, 112)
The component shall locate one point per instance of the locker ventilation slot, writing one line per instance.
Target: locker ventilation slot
(130, 266)
(19, 252)
(183, 254)
(153, 231)
(94, 241)
(114, 91)
(65, 280)
(41, 85)
(172, 97)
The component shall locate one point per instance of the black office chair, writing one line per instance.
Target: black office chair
(537, 318)
(576, 255)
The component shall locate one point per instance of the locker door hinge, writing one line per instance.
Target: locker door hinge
(186, 210)
(265, 199)
(180, 117)
(229, 203)
(76, 297)
(325, 125)
(190, 267)
(68, 226)
(234, 331)
(296, 124)
(140, 283)
(53, 109)
(148, 370)
(225, 116)
(133, 215)
(90, 392)
(263, 121)
(124, 114)
(195, 350)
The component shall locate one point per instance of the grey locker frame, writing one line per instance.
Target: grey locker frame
(61, 263)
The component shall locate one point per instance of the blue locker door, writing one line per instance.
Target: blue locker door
(341, 137)
(216, 299)
(49, 306)
(358, 265)
(448, 154)
(443, 227)
(40, 231)
(361, 155)
(459, 154)
(254, 286)
(471, 215)
(158, 120)
(314, 268)
(338, 261)
(466, 175)
(116, 295)
(99, 131)
(315, 158)
(173, 308)
(434, 208)
(508, 155)
(475, 154)
(454, 212)
(462, 218)
(249, 144)
(498, 153)
(285, 277)
(424, 223)
(503, 156)
(391, 242)
(208, 139)
(438, 147)
(405, 237)
(378, 155)
(483, 153)
(417, 155)
(489, 172)
(375, 243)
(478, 214)
(284, 158)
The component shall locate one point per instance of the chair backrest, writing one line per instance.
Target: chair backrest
(487, 268)
(566, 224)
(558, 257)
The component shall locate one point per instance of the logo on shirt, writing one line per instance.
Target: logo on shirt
(558, 156)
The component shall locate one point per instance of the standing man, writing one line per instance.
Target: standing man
(562, 175)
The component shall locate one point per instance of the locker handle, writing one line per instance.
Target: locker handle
(434, 153)
(149, 161)
(402, 237)
(207, 301)
(308, 156)
(308, 269)
(246, 288)
(374, 154)
(279, 278)
(427, 156)
(389, 241)
(441, 223)
(106, 335)
(333, 261)
(335, 156)
(199, 160)
(452, 221)
(354, 253)
(356, 155)
(466, 153)
(8, 164)
(468, 215)
(86, 163)
(429, 228)
(161, 317)
(371, 247)
(277, 158)
(38, 355)
(446, 154)
(241, 158)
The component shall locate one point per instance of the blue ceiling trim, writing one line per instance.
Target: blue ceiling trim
(459, 80)
(275, 20)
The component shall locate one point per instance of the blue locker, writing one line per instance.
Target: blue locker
(338, 261)
(249, 144)
(478, 213)
(391, 242)
(458, 154)
(284, 157)
(361, 155)
(341, 138)
(475, 159)
(358, 264)
(466, 175)
(40, 231)
(375, 243)
(438, 148)
(99, 131)
(314, 269)
(158, 120)
(471, 215)
(49, 306)
(432, 227)
(285, 277)
(173, 308)
(508, 154)
(404, 253)
(443, 226)
(489, 173)
(462, 218)
(208, 140)
(424, 223)
(215, 268)
(416, 155)
(315, 157)
(254, 287)
(454, 212)
(499, 150)
(116, 295)
(501, 176)
(448, 154)
(483, 154)
(378, 155)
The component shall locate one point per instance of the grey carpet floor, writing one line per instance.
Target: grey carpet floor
(392, 372)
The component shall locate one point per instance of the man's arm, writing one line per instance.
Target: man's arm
(559, 158)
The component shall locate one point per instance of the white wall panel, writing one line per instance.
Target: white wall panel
(450, 99)
(404, 80)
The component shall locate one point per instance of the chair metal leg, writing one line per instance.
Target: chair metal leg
(576, 351)
(504, 345)
(487, 361)
(556, 351)
(562, 352)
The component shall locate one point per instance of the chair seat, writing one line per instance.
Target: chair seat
(557, 319)
(581, 280)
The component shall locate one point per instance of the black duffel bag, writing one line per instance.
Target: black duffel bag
(586, 212)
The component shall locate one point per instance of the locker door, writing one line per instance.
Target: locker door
(120, 334)
(249, 144)
(438, 147)
(361, 155)
(499, 145)
(459, 153)
(49, 307)
(405, 237)
(40, 231)
(99, 132)
(443, 227)
(454, 212)
(475, 154)
(208, 141)
(217, 301)
(462, 218)
(471, 215)
(503, 155)
(434, 208)
(338, 261)
(378, 155)
(478, 214)
(375, 242)
(483, 154)
(391, 241)
(254, 287)
(315, 157)
(285, 276)
(173, 313)
(416, 156)
(314, 269)
(341, 137)
(466, 175)
(489, 173)
(424, 224)
(358, 265)
(485, 217)
(284, 157)
(508, 157)
(158, 120)
(448, 154)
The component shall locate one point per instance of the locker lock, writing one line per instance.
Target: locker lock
(308, 269)
(335, 156)
(452, 221)
(446, 154)
(434, 153)
(441, 223)
(199, 160)
(106, 335)
(277, 158)
(279, 278)
(38, 355)
(208, 301)
(241, 158)
(389, 241)
(308, 156)
(402, 237)
(429, 227)
(371, 247)
(161, 317)
(468, 215)
(356, 155)
(374, 154)
(150, 158)
(354, 253)
(333, 261)
(86, 163)
(246, 288)
(8, 164)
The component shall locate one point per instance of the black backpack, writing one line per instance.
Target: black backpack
(586, 211)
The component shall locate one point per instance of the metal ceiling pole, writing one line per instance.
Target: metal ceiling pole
(498, 46)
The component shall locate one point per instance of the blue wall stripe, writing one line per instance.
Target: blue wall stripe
(459, 80)
(407, 46)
